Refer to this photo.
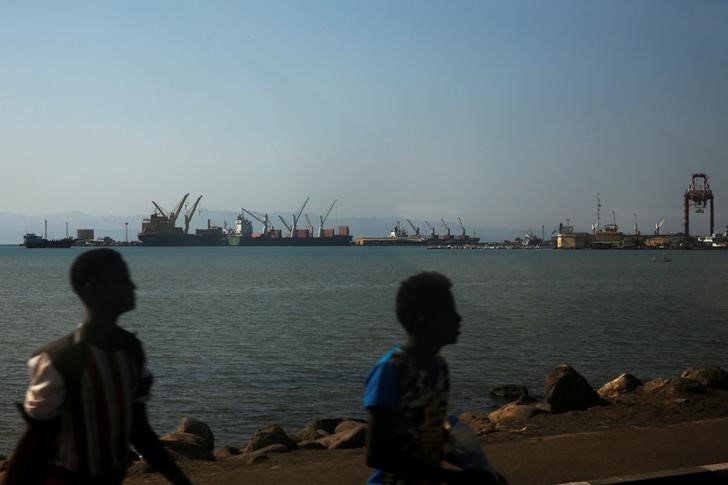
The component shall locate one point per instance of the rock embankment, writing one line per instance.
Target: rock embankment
(570, 405)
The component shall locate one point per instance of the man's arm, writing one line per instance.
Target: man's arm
(28, 463)
(147, 444)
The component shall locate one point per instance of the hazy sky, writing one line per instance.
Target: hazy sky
(509, 113)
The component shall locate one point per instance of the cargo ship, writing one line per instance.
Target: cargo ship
(33, 241)
(159, 229)
(399, 236)
(243, 235)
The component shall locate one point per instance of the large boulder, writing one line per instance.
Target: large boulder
(266, 436)
(316, 428)
(351, 436)
(655, 384)
(511, 392)
(714, 377)
(675, 386)
(187, 445)
(616, 387)
(516, 412)
(226, 452)
(478, 421)
(567, 390)
(194, 426)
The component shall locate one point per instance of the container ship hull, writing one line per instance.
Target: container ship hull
(180, 240)
(338, 240)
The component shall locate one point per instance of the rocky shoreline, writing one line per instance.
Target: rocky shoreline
(571, 405)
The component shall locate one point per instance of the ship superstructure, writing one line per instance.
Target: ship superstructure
(160, 229)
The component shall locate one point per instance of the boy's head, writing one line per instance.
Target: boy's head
(101, 279)
(426, 308)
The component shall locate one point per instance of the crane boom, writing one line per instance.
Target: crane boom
(301, 209)
(267, 226)
(188, 216)
(164, 213)
(322, 220)
(446, 226)
(431, 228)
(416, 229)
(310, 225)
(290, 230)
(658, 226)
(175, 213)
(462, 228)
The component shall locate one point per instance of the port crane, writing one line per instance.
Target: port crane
(658, 226)
(699, 195)
(267, 226)
(416, 229)
(432, 229)
(188, 216)
(447, 228)
(323, 219)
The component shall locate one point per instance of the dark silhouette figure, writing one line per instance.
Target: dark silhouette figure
(86, 401)
(406, 393)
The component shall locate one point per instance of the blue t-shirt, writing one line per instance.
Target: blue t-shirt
(419, 396)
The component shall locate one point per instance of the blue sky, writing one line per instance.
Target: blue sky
(509, 114)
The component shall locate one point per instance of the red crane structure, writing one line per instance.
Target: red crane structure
(699, 194)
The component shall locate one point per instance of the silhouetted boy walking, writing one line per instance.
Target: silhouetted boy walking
(406, 393)
(86, 401)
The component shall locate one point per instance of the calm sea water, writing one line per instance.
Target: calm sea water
(243, 337)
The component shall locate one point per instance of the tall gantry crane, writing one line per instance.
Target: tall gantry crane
(699, 194)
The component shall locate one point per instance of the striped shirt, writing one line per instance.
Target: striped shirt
(89, 379)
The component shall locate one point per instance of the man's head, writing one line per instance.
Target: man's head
(101, 279)
(426, 308)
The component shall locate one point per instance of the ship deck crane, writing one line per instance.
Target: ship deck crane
(447, 228)
(416, 229)
(322, 220)
(309, 224)
(296, 217)
(267, 226)
(462, 227)
(175, 213)
(188, 216)
(432, 229)
(162, 211)
(658, 226)
(290, 230)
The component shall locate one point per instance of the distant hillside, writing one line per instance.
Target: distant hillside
(13, 226)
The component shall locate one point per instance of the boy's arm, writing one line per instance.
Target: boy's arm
(380, 454)
(147, 444)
